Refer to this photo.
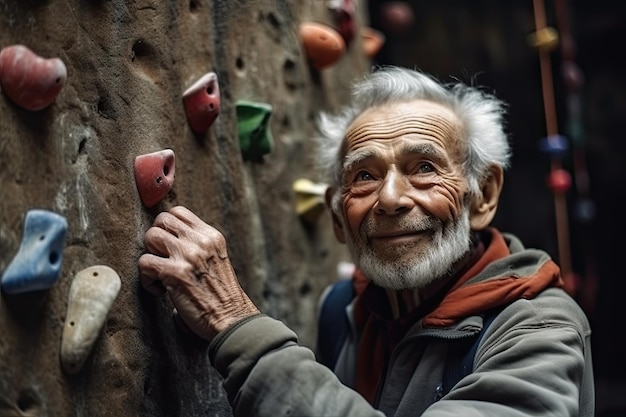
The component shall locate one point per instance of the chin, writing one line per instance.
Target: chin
(396, 276)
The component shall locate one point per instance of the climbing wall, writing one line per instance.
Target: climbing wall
(114, 144)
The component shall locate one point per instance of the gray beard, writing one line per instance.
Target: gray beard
(448, 247)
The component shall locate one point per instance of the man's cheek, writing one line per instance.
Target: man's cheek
(442, 204)
(355, 210)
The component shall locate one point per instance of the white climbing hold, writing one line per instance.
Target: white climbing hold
(91, 296)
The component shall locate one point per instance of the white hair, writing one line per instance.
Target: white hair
(480, 115)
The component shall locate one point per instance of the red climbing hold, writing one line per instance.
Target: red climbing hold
(154, 175)
(559, 180)
(202, 102)
(32, 82)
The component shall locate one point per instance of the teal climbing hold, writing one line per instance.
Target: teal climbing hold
(38, 262)
(255, 138)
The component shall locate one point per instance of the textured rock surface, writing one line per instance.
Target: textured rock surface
(128, 64)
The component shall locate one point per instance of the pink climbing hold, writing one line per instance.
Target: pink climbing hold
(30, 81)
(154, 175)
(202, 102)
(344, 15)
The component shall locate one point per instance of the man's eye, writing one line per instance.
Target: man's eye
(425, 168)
(364, 176)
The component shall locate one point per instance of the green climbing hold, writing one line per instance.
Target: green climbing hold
(255, 138)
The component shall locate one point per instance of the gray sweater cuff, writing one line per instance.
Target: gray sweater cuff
(236, 350)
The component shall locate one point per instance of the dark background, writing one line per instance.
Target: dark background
(486, 42)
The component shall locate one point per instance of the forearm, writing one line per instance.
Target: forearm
(266, 373)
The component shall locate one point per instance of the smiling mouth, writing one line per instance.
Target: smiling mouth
(398, 237)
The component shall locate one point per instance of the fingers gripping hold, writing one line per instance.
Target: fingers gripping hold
(190, 258)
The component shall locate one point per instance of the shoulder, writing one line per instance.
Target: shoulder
(551, 306)
(552, 316)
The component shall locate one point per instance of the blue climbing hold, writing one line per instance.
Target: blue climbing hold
(38, 262)
(554, 145)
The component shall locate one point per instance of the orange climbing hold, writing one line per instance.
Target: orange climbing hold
(322, 44)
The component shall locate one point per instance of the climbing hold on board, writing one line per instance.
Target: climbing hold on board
(202, 102)
(310, 200)
(397, 17)
(573, 77)
(373, 41)
(322, 44)
(559, 180)
(154, 175)
(29, 80)
(554, 145)
(91, 296)
(255, 138)
(344, 11)
(545, 39)
(38, 262)
(585, 210)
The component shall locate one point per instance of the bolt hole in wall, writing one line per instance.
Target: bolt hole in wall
(28, 403)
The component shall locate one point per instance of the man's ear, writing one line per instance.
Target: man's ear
(337, 224)
(484, 206)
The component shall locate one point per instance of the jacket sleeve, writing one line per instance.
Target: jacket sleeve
(266, 373)
(535, 360)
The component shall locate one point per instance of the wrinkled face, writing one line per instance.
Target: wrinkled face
(402, 195)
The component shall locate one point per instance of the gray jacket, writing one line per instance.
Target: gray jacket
(533, 360)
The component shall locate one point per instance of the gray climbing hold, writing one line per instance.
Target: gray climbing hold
(91, 296)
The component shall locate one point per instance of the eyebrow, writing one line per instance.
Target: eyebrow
(426, 149)
(359, 156)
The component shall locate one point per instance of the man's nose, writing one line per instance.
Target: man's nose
(394, 196)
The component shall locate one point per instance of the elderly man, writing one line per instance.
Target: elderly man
(415, 171)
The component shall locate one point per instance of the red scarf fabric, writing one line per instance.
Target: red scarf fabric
(380, 334)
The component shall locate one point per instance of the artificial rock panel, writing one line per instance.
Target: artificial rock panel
(128, 64)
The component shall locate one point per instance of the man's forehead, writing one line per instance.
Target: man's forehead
(426, 119)
(414, 108)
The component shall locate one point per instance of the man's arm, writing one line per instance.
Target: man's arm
(266, 373)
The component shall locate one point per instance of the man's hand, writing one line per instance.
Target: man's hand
(190, 259)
